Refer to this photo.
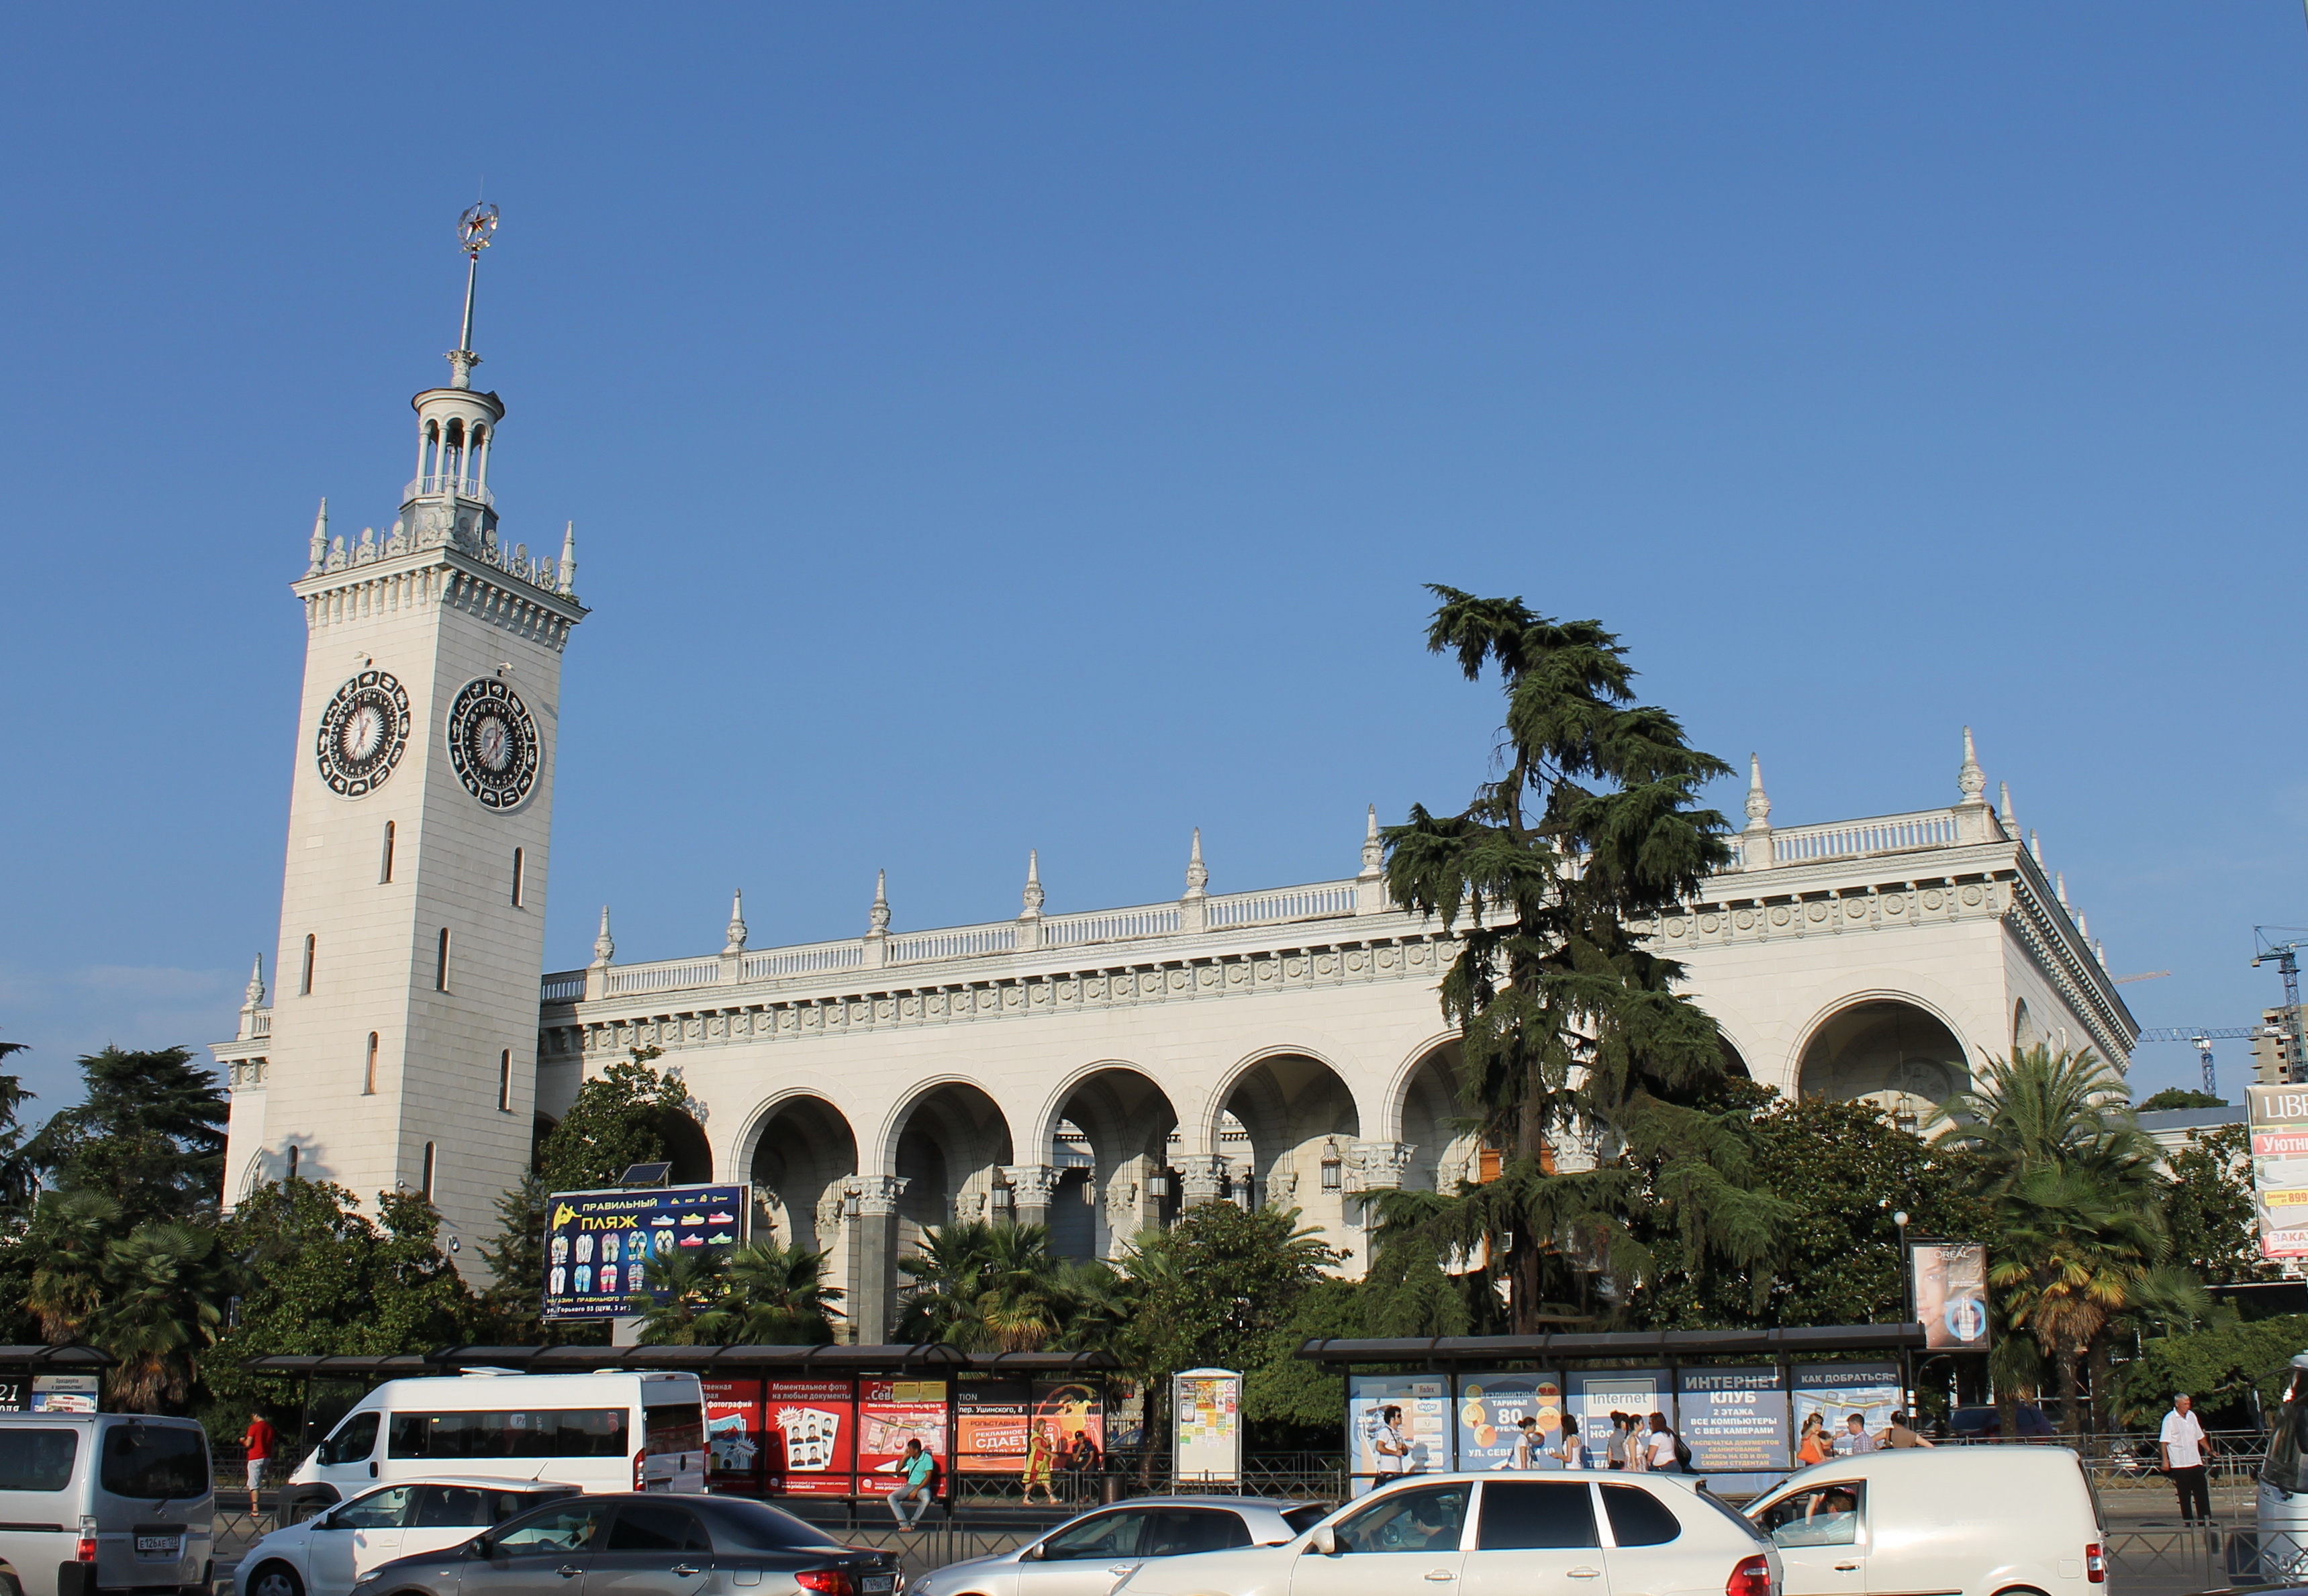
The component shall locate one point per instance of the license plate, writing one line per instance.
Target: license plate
(877, 1585)
(157, 1546)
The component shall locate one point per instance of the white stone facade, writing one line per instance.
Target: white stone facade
(1093, 1071)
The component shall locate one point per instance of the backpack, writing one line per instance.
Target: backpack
(1681, 1453)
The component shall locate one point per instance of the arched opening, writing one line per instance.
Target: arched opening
(950, 1144)
(1289, 1114)
(686, 1148)
(1892, 1054)
(1444, 1151)
(1112, 1138)
(802, 1155)
(2024, 1031)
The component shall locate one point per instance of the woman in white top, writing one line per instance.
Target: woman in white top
(1574, 1450)
(1637, 1456)
(1659, 1446)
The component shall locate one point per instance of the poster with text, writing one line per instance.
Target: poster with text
(1951, 1280)
(808, 1436)
(989, 1418)
(1068, 1409)
(1206, 1427)
(598, 1245)
(1835, 1391)
(1733, 1420)
(1491, 1408)
(1596, 1393)
(2279, 1169)
(889, 1413)
(732, 1435)
(1413, 1409)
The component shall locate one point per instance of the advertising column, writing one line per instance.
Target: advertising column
(2279, 1169)
(1206, 1419)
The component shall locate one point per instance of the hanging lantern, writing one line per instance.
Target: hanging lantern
(1334, 1168)
(1157, 1185)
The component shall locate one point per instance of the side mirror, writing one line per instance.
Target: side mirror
(1320, 1540)
(1032, 1553)
(480, 1545)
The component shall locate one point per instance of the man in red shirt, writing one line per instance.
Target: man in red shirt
(259, 1443)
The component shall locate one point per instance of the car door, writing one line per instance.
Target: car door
(544, 1553)
(1821, 1534)
(1649, 1551)
(1536, 1537)
(654, 1548)
(1181, 1532)
(447, 1515)
(1089, 1555)
(1402, 1539)
(354, 1537)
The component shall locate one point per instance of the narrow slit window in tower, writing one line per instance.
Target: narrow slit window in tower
(305, 985)
(385, 870)
(429, 1172)
(441, 964)
(368, 1076)
(504, 1082)
(516, 877)
(292, 1160)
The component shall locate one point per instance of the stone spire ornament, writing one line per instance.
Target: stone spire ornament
(878, 917)
(2060, 887)
(2035, 849)
(1759, 802)
(565, 575)
(605, 947)
(1969, 778)
(736, 942)
(1373, 849)
(1198, 878)
(1033, 896)
(320, 549)
(2003, 808)
(254, 996)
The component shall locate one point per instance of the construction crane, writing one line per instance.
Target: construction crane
(2201, 1038)
(2281, 945)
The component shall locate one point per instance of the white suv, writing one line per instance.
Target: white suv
(1497, 1534)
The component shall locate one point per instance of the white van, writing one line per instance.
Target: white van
(599, 1432)
(94, 1503)
(1965, 1521)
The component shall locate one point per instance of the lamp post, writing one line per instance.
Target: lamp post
(1907, 1316)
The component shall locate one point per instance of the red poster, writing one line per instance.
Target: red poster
(889, 1413)
(810, 1437)
(732, 1435)
(991, 1418)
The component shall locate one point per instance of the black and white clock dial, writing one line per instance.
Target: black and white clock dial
(363, 733)
(492, 743)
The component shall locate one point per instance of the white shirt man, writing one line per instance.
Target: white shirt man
(2182, 1443)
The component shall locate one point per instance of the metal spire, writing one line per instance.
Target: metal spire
(474, 229)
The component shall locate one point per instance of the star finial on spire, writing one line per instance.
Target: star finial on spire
(737, 943)
(474, 228)
(1970, 779)
(1198, 878)
(1373, 849)
(1033, 895)
(878, 917)
(604, 948)
(1759, 802)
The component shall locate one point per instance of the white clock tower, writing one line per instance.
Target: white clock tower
(412, 911)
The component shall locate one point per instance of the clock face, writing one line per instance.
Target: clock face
(492, 743)
(363, 731)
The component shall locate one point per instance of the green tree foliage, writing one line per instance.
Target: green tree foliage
(1570, 1032)
(1842, 1169)
(999, 1288)
(2182, 1098)
(150, 1133)
(153, 1296)
(2214, 1225)
(20, 1178)
(617, 1120)
(767, 1294)
(2218, 1366)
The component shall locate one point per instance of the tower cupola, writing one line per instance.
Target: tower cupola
(448, 500)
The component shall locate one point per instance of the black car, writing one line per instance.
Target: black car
(644, 1545)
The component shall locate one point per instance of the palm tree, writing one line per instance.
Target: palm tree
(2038, 1109)
(772, 1295)
(987, 1287)
(163, 1287)
(692, 1282)
(68, 1239)
(2072, 1249)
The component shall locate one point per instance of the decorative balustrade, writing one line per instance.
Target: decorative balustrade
(1293, 903)
(1115, 926)
(774, 962)
(967, 942)
(1850, 839)
(635, 979)
(463, 487)
(565, 987)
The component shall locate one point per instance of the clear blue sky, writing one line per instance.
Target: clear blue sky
(1002, 426)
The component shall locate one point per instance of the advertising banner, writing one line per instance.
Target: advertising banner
(1069, 1408)
(1597, 1394)
(1206, 1427)
(64, 1394)
(2279, 1169)
(1734, 1420)
(889, 1413)
(597, 1244)
(732, 1435)
(809, 1435)
(1951, 1280)
(990, 1418)
(1835, 1391)
(1491, 1408)
(1408, 1409)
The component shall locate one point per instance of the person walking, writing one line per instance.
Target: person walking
(1662, 1450)
(2182, 1443)
(1574, 1450)
(1040, 1461)
(914, 1471)
(1814, 1447)
(258, 1442)
(1389, 1453)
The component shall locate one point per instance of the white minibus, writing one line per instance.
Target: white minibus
(599, 1432)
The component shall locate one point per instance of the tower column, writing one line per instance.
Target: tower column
(874, 1257)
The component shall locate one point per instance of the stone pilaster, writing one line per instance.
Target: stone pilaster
(1205, 1178)
(1033, 1183)
(874, 1255)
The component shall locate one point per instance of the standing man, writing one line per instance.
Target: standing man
(1855, 1438)
(1390, 1453)
(259, 1443)
(2182, 1443)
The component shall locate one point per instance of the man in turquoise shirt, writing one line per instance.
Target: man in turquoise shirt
(916, 1466)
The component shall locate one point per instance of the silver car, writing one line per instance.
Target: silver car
(92, 1503)
(1090, 1555)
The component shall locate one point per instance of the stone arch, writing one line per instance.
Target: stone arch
(1295, 1112)
(802, 1154)
(1126, 1119)
(947, 1142)
(686, 1147)
(2025, 1033)
(1428, 1113)
(1892, 1052)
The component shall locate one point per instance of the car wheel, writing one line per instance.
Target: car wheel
(273, 1579)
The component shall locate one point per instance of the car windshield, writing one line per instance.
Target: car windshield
(752, 1526)
(2288, 1444)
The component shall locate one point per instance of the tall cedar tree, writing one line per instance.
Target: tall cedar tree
(150, 1134)
(1570, 1035)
